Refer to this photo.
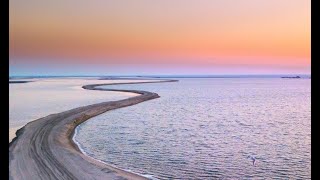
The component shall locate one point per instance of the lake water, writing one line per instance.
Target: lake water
(33, 100)
(206, 129)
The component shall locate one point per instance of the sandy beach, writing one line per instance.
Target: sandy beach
(44, 148)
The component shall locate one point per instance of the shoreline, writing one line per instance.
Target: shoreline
(111, 165)
(44, 148)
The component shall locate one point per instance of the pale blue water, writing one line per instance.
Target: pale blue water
(206, 128)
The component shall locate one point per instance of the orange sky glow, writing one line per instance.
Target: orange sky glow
(200, 33)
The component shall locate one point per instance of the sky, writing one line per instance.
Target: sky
(115, 37)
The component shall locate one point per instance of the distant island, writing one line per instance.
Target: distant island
(16, 82)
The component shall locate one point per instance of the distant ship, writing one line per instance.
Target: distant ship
(294, 77)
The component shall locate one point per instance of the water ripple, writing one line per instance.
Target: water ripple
(208, 132)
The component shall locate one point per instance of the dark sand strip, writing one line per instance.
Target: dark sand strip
(43, 149)
(18, 82)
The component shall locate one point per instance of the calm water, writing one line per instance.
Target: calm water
(206, 129)
(30, 101)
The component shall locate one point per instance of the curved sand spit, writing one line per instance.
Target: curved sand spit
(43, 149)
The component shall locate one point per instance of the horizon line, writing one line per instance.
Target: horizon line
(160, 75)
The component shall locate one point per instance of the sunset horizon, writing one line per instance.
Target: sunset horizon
(157, 90)
(163, 37)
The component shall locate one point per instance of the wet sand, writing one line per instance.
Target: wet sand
(43, 149)
(12, 132)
